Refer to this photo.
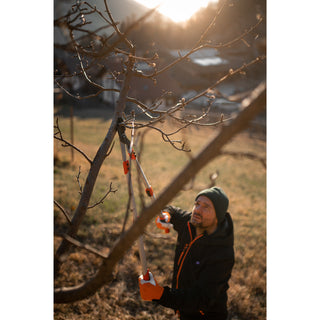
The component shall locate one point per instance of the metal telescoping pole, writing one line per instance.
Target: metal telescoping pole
(148, 186)
(149, 189)
(126, 143)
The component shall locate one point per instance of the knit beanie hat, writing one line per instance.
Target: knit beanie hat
(218, 198)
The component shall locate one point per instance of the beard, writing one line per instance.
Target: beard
(203, 223)
(196, 220)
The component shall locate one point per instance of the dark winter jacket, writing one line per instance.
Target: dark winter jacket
(202, 268)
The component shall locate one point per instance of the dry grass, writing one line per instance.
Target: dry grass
(244, 181)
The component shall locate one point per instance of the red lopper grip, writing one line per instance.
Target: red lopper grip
(163, 219)
(126, 166)
(146, 276)
(132, 155)
(149, 191)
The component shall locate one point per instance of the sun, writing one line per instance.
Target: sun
(176, 10)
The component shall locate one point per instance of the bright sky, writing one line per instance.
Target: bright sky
(177, 10)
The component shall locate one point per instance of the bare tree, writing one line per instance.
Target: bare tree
(90, 47)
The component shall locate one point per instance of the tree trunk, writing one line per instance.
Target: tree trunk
(94, 170)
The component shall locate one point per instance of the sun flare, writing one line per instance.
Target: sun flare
(176, 10)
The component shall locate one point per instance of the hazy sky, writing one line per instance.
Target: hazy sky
(177, 10)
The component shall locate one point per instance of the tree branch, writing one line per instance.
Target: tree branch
(103, 198)
(83, 246)
(58, 136)
(63, 211)
(78, 179)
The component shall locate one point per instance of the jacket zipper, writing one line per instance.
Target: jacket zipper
(186, 245)
(182, 253)
(183, 256)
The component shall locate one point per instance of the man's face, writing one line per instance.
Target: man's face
(204, 215)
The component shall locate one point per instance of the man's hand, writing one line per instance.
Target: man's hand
(163, 222)
(149, 289)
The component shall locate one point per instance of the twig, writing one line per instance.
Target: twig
(211, 25)
(78, 179)
(144, 108)
(84, 97)
(63, 211)
(103, 198)
(101, 88)
(239, 38)
(58, 136)
(100, 14)
(111, 148)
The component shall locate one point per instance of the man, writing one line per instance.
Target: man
(204, 258)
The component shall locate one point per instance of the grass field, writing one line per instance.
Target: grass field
(243, 179)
